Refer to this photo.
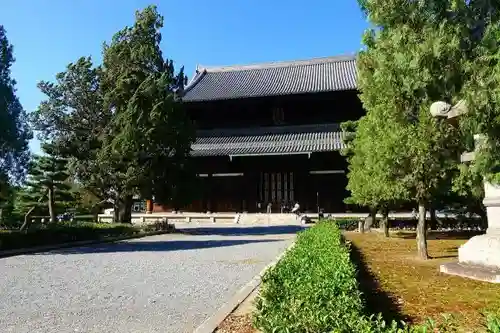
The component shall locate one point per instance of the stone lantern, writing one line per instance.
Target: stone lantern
(479, 258)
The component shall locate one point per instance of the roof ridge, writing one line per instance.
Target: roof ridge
(277, 64)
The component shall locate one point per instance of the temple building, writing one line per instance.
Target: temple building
(268, 135)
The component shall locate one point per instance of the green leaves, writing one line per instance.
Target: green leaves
(120, 124)
(151, 136)
(483, 97)
(46, 173)
(14, 130)
(417, 55)
(312, 289)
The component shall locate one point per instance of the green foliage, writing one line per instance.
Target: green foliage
(8, 196)
(482, 93)
(65, 232)
(313, 288)
(492, 323)
(86, 202)
(122, 124)
(151, 135)
(62, 233)
(420, 52)
(14, 130)
(74, 120)
(417, 53)
(46, 187)
(400, 152)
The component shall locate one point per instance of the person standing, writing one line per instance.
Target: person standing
(296, 209)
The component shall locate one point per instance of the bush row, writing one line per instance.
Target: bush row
(442, 223)
(313, 289)
(64, 232)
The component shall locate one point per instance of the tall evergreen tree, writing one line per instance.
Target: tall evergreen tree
(150, 134)
(483, 98)
(14, 130)
(126, 128)
(73, 119)
(414, 56)
(7, 199)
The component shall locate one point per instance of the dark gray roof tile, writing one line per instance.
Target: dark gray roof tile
(268, 140)
(271, 79)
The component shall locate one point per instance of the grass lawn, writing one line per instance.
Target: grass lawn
(401, 286)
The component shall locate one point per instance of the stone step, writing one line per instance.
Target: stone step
(268, 219)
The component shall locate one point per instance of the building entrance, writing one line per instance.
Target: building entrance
(277, 188)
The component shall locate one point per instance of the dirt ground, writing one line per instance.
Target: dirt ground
(240, 321)
(401, 286)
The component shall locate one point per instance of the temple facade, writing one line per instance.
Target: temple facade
(268, 135)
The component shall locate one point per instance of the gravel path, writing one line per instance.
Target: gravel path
(168, 283)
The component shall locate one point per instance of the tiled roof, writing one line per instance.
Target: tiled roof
(268, 140)
(272, 79)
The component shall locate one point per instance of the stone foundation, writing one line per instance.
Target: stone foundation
(481, 250)
(479, 258)
(480, 273)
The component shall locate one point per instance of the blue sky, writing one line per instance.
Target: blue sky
(47, 35)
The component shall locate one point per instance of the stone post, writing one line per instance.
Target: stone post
(479, 257)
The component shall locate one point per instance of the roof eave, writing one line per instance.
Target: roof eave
(270, 95)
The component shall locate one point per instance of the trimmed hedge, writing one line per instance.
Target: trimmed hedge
(65, 232)
(313, 289)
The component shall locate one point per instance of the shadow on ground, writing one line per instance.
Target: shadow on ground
(243, 230)
(157, 246)
(377, 300)
(440, 235)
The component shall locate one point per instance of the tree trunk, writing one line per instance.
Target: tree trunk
(422, 232)
(361, 226)
(123, 210)
(433, 220)
(27, 220)
(1, 216)
(116, 211)
(52, 211)
(384, 222)
(373, 216)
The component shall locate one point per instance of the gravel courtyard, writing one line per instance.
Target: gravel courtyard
(168, 283)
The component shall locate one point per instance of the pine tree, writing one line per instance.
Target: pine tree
(47, 176)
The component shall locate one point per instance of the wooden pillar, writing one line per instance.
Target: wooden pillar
(209, 193)
(149, 206)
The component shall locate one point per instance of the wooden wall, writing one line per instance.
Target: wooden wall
(241, 193)
(332, 107)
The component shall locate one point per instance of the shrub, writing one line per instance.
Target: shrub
(161, 225)
(493, 323)
(347, 224)
(64, 232)
(313, 288)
